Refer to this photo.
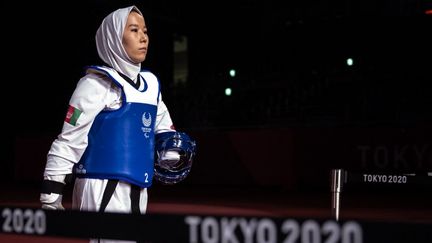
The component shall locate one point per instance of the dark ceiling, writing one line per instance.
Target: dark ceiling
(292, 41)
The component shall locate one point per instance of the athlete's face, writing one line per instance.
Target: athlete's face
(135, 38)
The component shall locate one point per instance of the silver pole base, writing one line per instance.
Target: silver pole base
(337, 181)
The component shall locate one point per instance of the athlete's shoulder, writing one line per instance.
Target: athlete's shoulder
(147, 71)
(94, 78)
(148, 75)
(100, 70)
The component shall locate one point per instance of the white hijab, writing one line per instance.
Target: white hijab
(109, 42)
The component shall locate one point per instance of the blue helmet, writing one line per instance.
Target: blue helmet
(173, 169)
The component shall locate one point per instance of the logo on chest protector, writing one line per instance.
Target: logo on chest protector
(146, 120)
(80, 169)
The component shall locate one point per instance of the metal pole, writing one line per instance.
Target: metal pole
(337, 180)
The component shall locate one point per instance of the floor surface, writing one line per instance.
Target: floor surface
(376, 206)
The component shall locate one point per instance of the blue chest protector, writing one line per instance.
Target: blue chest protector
(121, 142)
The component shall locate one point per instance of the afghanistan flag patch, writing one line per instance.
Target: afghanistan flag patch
(72, 115)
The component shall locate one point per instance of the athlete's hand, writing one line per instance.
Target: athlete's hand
(51, 201)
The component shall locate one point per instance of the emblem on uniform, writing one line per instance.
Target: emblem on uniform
(72, 115)
(146, 121)
(80, 169)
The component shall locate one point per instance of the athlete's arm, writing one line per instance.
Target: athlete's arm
(164, 122)
(92, 94)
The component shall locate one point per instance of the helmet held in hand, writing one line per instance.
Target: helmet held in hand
(174, 154)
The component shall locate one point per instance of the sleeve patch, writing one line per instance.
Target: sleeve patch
(72, 115)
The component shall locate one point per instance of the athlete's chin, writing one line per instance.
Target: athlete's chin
(139, 59)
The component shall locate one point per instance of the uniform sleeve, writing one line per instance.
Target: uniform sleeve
(92, 94)
(163, 119)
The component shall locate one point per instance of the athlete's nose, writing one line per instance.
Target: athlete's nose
(143, 37)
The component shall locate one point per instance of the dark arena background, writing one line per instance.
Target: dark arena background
(313, 119)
